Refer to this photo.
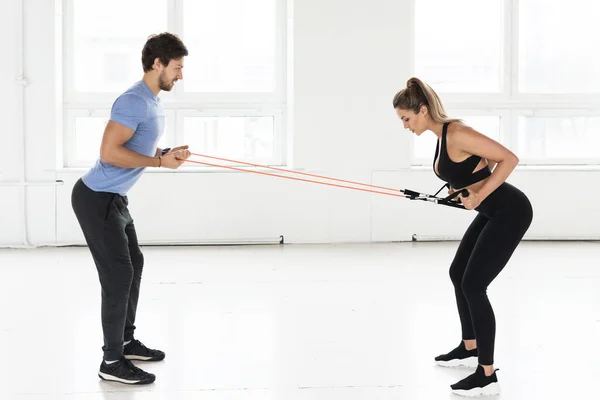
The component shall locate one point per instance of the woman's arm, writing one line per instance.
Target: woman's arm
(470, 141)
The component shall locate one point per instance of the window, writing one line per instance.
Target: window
(229, 104)
(555, 60)
(235, 41)
(523, 81)
(459, 44)
(558, 136)
(243, 136)
(106, 59)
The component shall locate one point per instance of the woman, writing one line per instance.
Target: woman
(467, 159)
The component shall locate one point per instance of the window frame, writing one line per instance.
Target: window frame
(548, 112)
(278, 125)
(513, 103)
(178, 103)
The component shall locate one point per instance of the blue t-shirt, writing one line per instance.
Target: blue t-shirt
(138, 109)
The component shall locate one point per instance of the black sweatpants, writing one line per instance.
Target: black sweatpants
(489, 242)
(110, 234)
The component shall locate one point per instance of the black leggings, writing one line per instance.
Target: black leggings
(489, 242)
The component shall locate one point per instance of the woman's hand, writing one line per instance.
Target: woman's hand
(471, 201)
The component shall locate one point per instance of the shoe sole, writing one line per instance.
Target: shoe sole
(490, 390)
(470, 362)
(142, 358)
(108, 377)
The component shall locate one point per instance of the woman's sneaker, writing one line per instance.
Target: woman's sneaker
(124, 371)
(460, 356)
(477, 384)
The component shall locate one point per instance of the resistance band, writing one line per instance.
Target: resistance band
(405, 193)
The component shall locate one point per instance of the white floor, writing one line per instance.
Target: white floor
(298, 322)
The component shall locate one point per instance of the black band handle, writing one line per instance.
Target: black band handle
(464, 192)
(447, 201)
(411, 193)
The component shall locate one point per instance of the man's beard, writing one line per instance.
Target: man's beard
(165, 84)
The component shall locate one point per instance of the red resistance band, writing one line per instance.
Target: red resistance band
(405, 193)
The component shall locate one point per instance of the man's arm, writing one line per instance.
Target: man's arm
(128, 111)
(113, 151)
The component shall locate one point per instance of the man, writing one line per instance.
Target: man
(99, 200)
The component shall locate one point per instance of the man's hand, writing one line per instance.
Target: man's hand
(181, 152)
(178, 148)
(174, 159)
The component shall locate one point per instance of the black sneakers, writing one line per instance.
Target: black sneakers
(135, 350)
(477, 384)
(459, 356)
(124, 371)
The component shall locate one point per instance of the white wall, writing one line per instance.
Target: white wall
(350, 56)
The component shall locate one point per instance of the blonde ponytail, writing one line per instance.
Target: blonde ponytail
(418, 93)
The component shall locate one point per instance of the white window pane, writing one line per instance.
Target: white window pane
(231, 44)
(558, 137)
(424, 145)
(88, 138)
(230, 137)
(107, 56)
(558, 44)
(458, 44)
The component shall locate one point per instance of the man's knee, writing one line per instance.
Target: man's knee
(137, 260)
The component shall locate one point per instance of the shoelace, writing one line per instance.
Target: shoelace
(138, 344)
(133, 368)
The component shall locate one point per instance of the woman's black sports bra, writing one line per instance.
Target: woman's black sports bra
(457, 174)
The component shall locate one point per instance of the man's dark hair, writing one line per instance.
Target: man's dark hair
(166, 46)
